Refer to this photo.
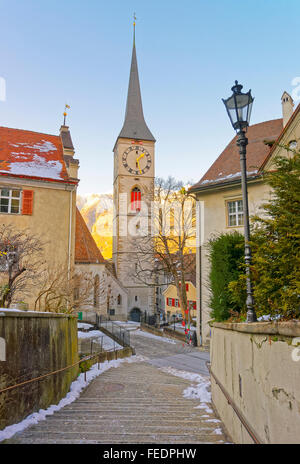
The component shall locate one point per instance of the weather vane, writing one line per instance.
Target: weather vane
(134, 23)
(65, 113)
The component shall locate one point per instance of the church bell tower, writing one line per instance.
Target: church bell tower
(134, 157)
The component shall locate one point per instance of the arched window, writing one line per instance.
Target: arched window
(119, 299)
(136, 197)
(96, 291)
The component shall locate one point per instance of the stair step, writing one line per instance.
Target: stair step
(108, 436)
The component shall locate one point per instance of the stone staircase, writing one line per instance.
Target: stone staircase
(134, 403)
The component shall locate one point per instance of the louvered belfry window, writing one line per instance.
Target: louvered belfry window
(136, 197)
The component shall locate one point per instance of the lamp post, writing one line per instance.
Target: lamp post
(239, 107)
(156, 277)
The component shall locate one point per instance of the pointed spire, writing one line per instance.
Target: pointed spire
(135, 126)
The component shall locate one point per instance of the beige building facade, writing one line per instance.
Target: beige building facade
(172, 305)
(38, 193)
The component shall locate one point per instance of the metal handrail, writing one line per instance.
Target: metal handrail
(239, 414)
(118, 332)
(86, 358)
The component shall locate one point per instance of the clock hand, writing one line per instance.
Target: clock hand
(141, 156)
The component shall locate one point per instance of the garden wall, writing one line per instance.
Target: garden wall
(255, 378)
(33, 344)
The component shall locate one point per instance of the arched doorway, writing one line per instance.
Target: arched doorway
(135, 315)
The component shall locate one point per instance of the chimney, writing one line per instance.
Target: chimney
(287, 107)
(72, 164)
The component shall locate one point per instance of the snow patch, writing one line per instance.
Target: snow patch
(108, 343)
(11, 310)
(268, 317)
(228, 177)
(43, 147)
(155, 337)
(198, 391)
(39, 167)
(82, 325)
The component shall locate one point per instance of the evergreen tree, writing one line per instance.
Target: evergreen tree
(276, 243)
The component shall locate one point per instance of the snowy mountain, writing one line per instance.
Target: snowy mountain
(97, 211)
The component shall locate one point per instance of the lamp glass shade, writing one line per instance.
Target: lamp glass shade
(239, 107)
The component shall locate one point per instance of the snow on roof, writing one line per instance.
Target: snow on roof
(226, 168)
(31, 154)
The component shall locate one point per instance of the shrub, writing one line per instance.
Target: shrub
(226, 253)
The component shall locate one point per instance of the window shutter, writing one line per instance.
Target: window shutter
(187, 287)
(173, 301)
(27, 202)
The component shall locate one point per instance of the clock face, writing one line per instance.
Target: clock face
(136, 160)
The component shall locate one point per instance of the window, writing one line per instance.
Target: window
(136, 197)
(10, 201)
(235, 213)
(192, 304)
(119, 299)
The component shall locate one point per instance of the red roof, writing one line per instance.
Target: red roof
(32, 154)
(86, 250)
(227, 166)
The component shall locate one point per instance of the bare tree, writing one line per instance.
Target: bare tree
(167, 245)
(65, 291)
(21, 263)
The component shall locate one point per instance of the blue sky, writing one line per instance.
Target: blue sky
(189, 54)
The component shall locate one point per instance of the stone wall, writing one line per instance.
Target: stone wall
(35, 344)
(258, 367)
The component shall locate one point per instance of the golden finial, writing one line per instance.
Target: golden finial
(134, 23)
(65, 113)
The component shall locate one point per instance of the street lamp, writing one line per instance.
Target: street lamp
(156, 277)
(239, 107)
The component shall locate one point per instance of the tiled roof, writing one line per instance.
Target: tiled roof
(32, 155)
(86, 250)
(283, 131)
(227, 166)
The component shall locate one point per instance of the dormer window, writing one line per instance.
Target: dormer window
(136, 197)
